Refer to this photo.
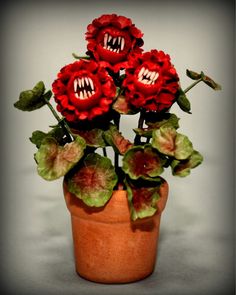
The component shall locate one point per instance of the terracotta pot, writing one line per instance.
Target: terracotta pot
(108, 246)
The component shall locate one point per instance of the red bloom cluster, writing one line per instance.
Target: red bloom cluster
(83, 90)
(111, 38)
(151, 81)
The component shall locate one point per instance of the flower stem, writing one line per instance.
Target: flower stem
(192, 85)
(61, 122)
(140, 125)
(104, 152)
(117, 123)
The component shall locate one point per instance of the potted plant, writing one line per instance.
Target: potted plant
(116, 201)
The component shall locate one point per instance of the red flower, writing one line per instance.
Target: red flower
(151, 81)
(83, 90)
(110, 40)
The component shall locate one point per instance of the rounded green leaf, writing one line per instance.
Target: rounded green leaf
(93, 180)
(93, 137)
(114, 138)
(171, 143)
(55, 161)
(183, 168)
(144, 162)
(183, 147)
(31, 100)
(142, 197)
(121, 106)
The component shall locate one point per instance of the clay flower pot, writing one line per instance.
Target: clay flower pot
(108, 246)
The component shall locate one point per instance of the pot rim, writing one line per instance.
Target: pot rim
(115, 210)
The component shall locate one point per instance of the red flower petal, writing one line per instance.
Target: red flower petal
(86, 92)
(115, 26)
(136, 32)
(122, 22)
(151, 81)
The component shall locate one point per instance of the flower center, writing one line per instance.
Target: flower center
(147, 77)
(114, 44)
(83, 87)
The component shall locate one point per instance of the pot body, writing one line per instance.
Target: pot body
(108, 246)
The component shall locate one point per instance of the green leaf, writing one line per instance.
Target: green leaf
(57, 133)
(37, 137)
(183, 102)
(207, 80)
(143, 162)
(144, 132)
(55, 161)
(31, 100)
(93, 180)
(93, 137)
(171, 143)
(160, 120)
(114, 138)
(80, 57)
(193, 75)
(122, 107)
(183, 168)
(155, 121)
(142, 197)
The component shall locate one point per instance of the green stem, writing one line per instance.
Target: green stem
(104, 152)
(117, 123)
(61, 122)
(192, 85)
(137, 139)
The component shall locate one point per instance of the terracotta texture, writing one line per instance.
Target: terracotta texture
(108, 246)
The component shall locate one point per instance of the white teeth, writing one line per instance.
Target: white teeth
(105, 40)
(141, 72)
(155, 77)
(145, 72)
(147, 77)
(152, 75)
(82, 82)
(122, 43)
(79, 82)
(91, 83)
(87, 81)
(148, 74)
(114, 40)
(75, 85)
(83, 87)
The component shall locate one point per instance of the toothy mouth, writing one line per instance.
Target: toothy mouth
(114, 44)
(147, 77)
(83, 87)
